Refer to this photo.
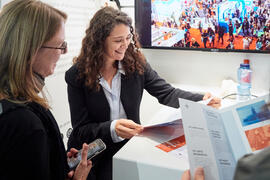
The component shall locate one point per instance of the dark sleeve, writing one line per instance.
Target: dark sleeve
(24, 147)
(164, 92)
(35, 153)
(86, 128)
(254, 166)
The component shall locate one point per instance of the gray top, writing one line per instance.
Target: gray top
(254, 166)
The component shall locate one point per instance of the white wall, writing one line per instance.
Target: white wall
(3, 2)
(207, 69)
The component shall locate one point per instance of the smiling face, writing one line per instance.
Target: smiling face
(46, 58)
(117, 43)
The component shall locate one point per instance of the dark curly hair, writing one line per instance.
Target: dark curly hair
(91, 58)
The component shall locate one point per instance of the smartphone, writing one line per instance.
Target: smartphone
(95, 148)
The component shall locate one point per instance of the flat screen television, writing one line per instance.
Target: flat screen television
(211, 25)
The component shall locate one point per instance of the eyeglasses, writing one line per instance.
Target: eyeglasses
(63, 47)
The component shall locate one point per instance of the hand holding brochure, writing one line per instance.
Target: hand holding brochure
(216, 139)
(207, 101)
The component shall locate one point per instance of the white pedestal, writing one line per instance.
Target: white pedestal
(139, 159)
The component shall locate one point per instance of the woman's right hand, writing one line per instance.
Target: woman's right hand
(126, 128)
(82, 170)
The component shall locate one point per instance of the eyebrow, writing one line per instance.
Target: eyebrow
(118, 37)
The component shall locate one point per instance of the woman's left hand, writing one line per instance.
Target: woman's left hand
(215, 102)
(82, 170)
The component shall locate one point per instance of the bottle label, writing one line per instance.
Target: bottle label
(245, 76)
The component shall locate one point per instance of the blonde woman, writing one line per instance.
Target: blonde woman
(32, 38)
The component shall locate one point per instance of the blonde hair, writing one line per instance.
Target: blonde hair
(25, 26)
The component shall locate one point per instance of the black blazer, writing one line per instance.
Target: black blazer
(31, 146)
(90, 111)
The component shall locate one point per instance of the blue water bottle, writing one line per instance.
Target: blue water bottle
(244, 81)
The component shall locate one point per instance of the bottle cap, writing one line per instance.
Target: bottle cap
(246, 61)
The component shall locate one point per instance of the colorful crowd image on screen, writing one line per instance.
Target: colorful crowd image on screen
(215, 24)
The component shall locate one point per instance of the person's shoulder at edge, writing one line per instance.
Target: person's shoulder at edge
(254, 166)
(71, 76)
(23, 120)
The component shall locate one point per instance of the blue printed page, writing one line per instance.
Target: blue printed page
(200, 150)
(247, 126)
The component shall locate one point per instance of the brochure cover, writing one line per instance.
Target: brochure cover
(216, 139)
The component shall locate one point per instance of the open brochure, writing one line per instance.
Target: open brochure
(169, 136)
(216, 139)
(164, 131)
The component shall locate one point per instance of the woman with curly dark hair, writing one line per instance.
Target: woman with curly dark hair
(105, 87)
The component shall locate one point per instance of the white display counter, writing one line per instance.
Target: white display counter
(139, 159)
